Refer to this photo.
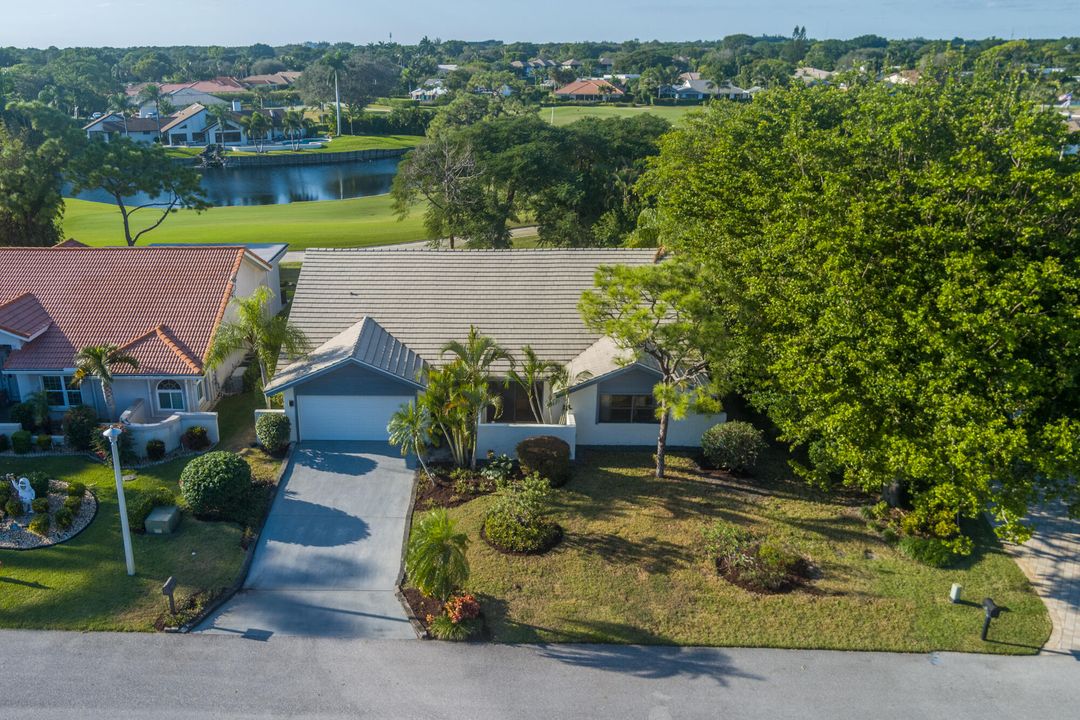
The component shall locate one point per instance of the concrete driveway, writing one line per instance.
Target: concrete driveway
(328, 559)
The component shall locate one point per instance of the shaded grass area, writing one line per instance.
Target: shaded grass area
(357, 222)
(566, 114)
(83, 585)
(633, 569)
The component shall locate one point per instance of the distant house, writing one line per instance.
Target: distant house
(446, 69)
(590, 89)
(813, 75)
(277, 80)
(571, 63)
(605, 63)
(110, 125)
(204, 92)
(703, 90)
(194, 126)
(687, 76)
(903, 77)
(160, 305)
(430, 91)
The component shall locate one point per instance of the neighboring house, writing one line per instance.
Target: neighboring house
(278, 80)
(431, 90)
(683, 77)
(605, 63)
(160, 304)
(204, 92)
(139, 129)
(903, 77)
(187, 127)
(195, 126)
(378, 319)
(445, 68)
(703, 90)
(596, 90)
(813, 75)
(572, 64)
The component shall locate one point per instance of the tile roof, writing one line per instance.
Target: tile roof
(589, 87)
(24, 317)
(161, 304)
(425, 298)
(187, 113)
(601, 359)
(365, 342)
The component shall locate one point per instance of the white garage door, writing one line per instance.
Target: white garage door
(346, 417)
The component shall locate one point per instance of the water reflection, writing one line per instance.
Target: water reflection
(287, 184)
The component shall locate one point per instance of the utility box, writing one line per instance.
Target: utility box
(162, 520)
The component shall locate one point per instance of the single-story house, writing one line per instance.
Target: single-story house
(703, 90)
(278, 80)
(903, 77)
(110, 125)
(204, 92)
(431, 90)
(194, 125)
(589, 89)
(162, 305)
(378, 319)
(813, 75)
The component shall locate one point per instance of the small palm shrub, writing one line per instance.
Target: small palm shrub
(734, 446)
(20, 441)
(547, 455)
(518, 521)
(155, 450)
(272, 431)
(435, 559)
(216, 484)
(79, 424)
(39, 525)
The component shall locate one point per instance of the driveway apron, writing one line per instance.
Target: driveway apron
(327, 561)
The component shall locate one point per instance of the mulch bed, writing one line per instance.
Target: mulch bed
(798, 579)
(441, 493)
(421, 605)
(14, 534)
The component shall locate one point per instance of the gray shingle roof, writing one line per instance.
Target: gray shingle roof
(425, 298)
(365, 342)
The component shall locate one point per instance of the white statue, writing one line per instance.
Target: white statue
(25, 492)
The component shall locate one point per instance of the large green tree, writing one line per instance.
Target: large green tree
(125, 170)
(903, 264)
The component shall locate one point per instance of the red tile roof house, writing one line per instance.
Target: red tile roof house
(595, 90)
(160, 304)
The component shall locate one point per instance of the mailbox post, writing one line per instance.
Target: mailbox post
(167, 590)
(992, 611)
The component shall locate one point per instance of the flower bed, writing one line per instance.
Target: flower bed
(15, 532)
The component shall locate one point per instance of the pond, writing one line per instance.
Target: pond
(278, 185)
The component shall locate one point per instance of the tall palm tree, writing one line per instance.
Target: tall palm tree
(152, 94)
(120, 104)
(476, 357)
(98, 361)
(410, 429)
(536, 372)
(255, 125)
(257, 332)
(336, 62)
(294, 123)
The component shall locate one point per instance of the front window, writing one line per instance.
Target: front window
(628, 409)
(170, 395)
(60, 391)
(515, 403)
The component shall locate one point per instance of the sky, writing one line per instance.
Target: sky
(123, 23)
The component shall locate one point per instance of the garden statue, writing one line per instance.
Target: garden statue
(25, 492)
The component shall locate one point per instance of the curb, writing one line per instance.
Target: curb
(417, 626)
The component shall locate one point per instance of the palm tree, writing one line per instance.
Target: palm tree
(435, 560)
(255, 125)
(219, 114)
(120, 104)
(257, 332)
(410, 429)
(98, 361)
(152, 94)
(476, 356)
(336, 62)
(294, 123)
(535, 372)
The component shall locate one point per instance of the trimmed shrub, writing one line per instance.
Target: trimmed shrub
(272, 431)
(44, 442)
(40, 482)
(23, 413)
(547, 455)
(216, 484)
(195, 438)
(142, 504)
(734, 446)
(518, 521)
(155, 449)
(76, 489)
(13, 508)
(39, 525)
(928, 551)
(73, 504)
(20, 441)
(79, 425)
(40, 505)
(63, 518)
(5, 443)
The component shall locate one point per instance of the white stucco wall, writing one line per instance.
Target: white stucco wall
(503, 438)
(684, 433)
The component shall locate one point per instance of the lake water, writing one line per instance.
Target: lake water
(277, 185)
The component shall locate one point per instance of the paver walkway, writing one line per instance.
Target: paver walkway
(1051, 560)
(328, 558)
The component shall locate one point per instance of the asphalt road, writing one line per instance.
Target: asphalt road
(100, 675)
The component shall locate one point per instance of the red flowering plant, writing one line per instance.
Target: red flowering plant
(462, 607)
(457, 619)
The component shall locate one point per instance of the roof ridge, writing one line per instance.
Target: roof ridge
(229, 286)
(160, 331)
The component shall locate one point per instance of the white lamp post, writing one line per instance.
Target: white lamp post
(113, 434)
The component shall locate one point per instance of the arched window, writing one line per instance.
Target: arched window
(170, 395)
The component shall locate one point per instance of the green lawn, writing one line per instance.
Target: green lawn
(566, 114)
(632, 569)
(358, 222)
(82, 584)
(348, 143)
